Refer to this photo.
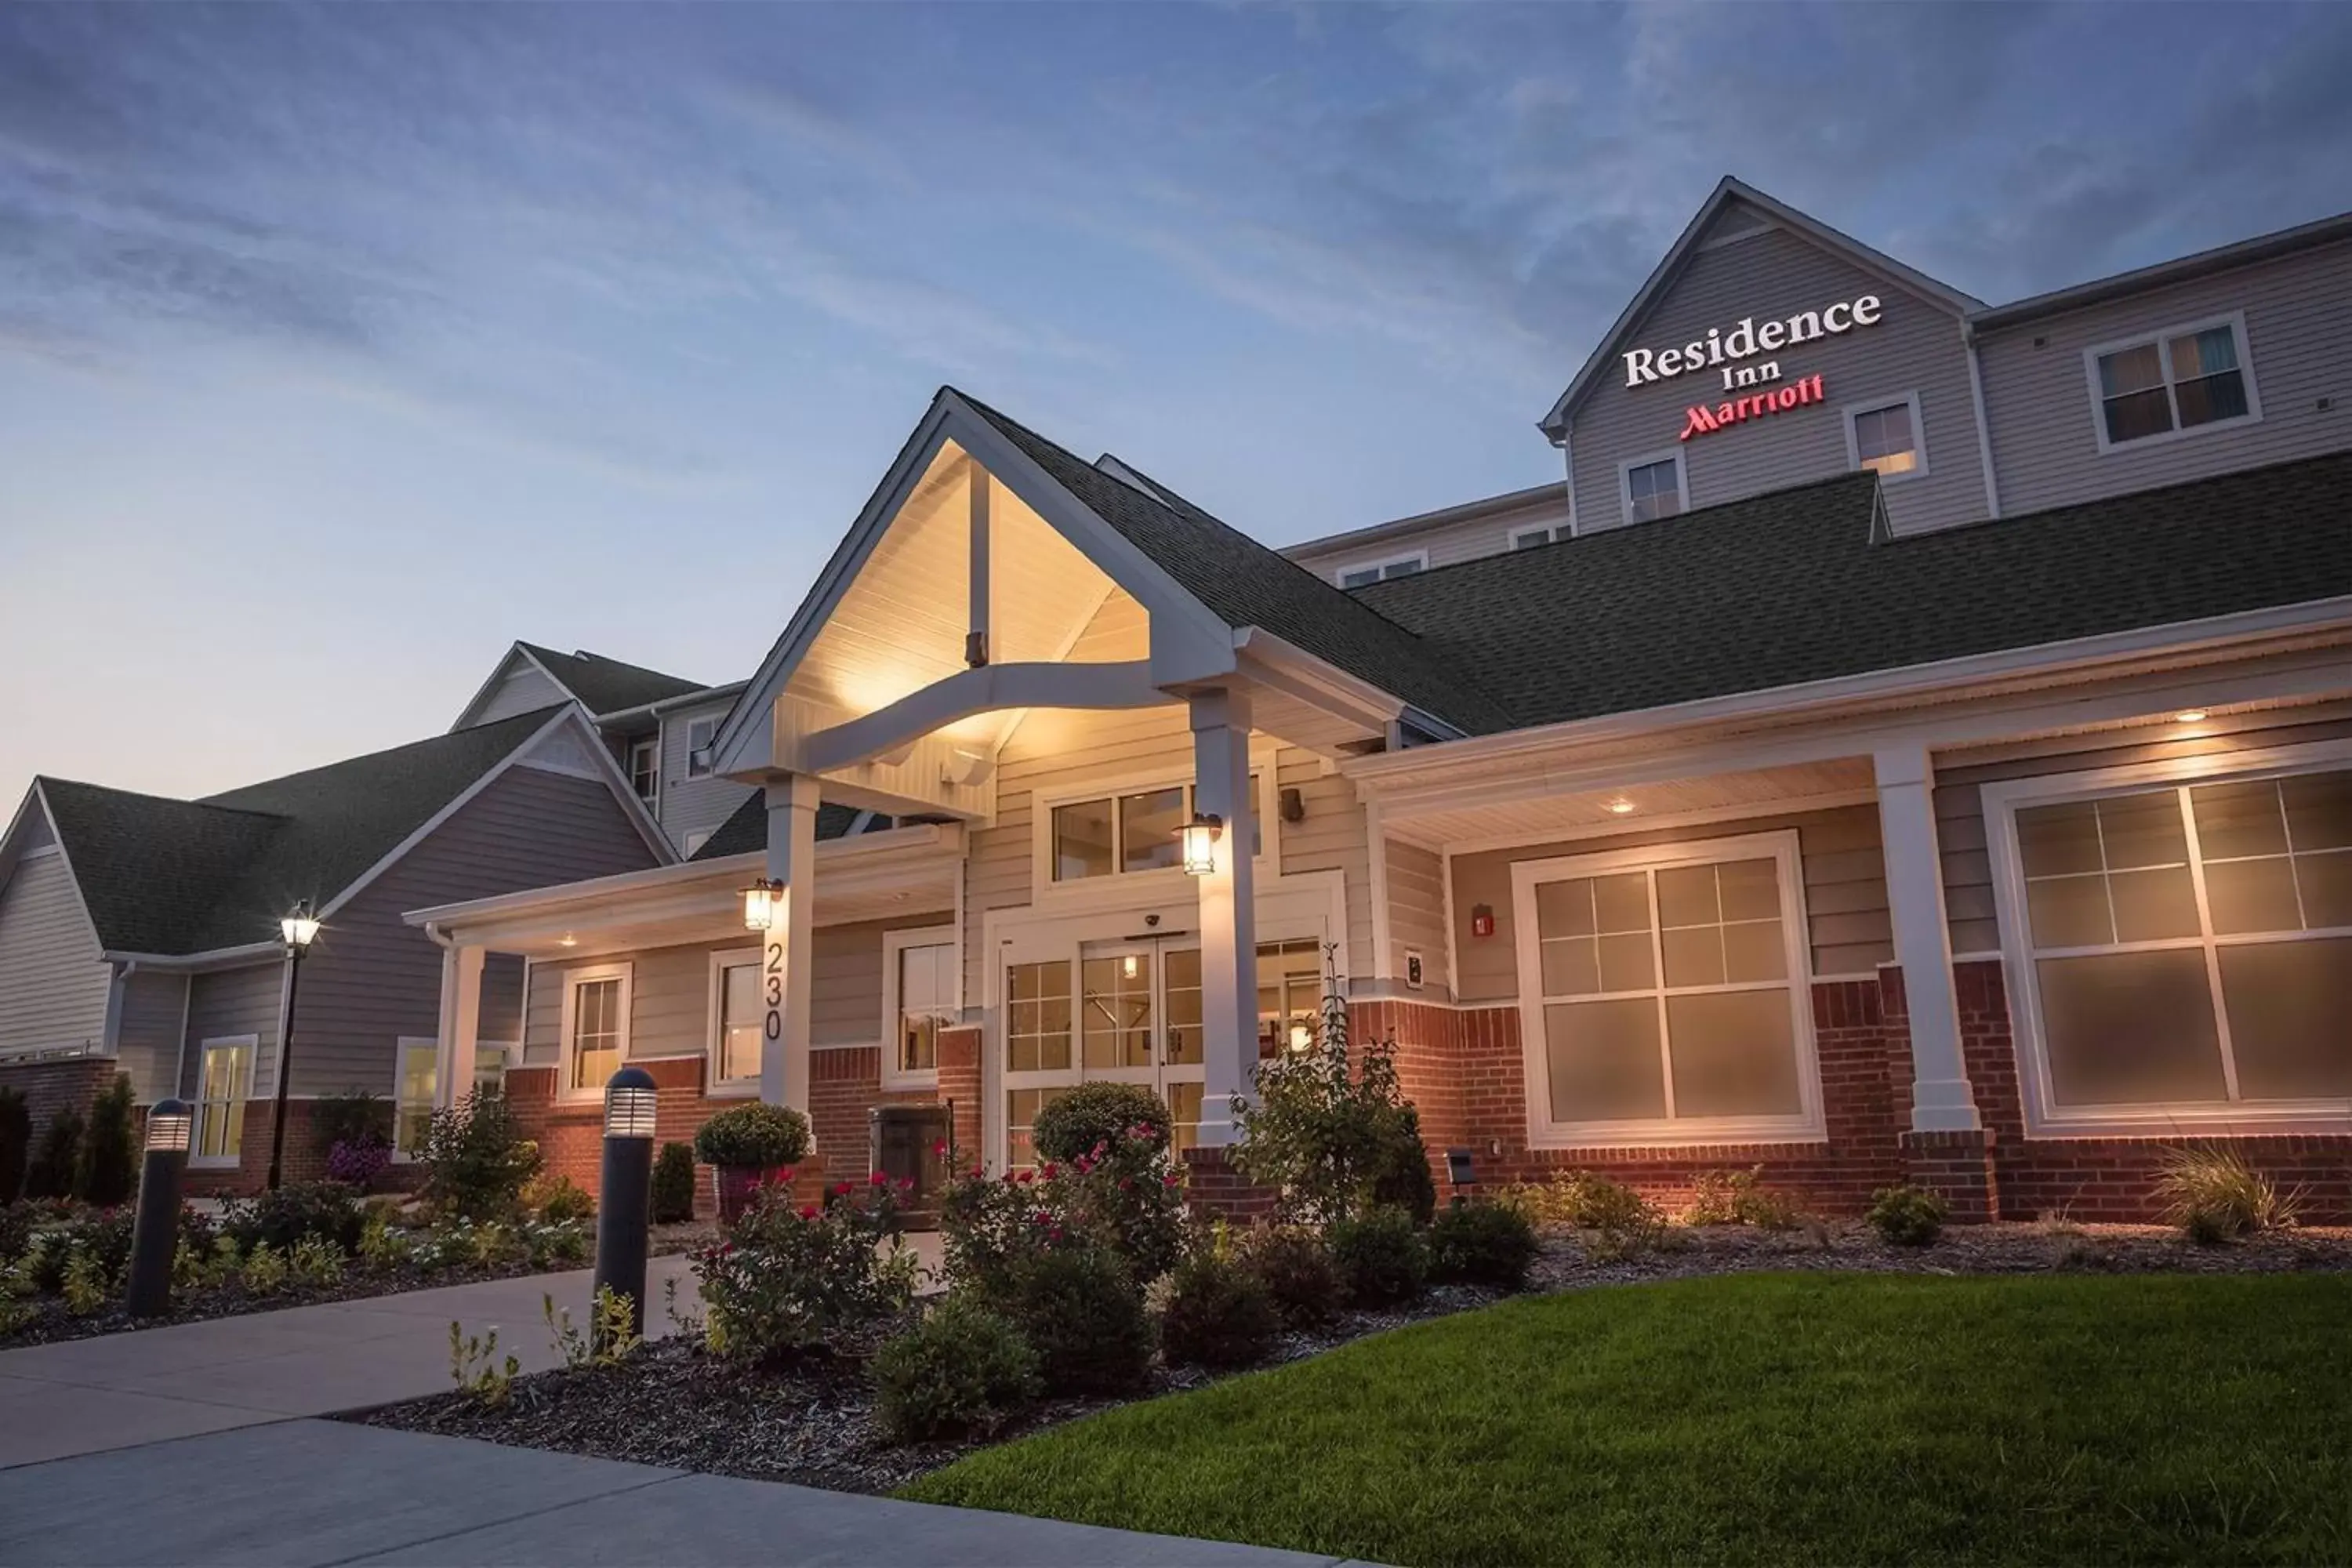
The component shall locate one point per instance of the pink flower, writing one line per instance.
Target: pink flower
(785, 1174)
(1127, 1184)
(842, 1189)
(941, 1148)
(1049, 1170)
(1025, 1176)
(1170, 1180)
(879, 1179)
(905, 1183)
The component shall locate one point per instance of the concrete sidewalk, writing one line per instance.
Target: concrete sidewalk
(119, 1390)
(317, 1492)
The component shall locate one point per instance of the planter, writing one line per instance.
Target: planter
(739, 1184)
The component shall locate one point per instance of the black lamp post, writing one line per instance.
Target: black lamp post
(299, 930)
(624, 1191)
(155, 1231)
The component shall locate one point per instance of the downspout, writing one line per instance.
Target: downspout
(1984, 431)
(1565, 439)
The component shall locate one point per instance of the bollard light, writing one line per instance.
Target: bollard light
(1199, 837)
(170, 1126)
(624, 1191)
(760, 904)
(155, 1226)
(631, 1100)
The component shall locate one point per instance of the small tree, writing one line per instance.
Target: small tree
(109, 1170)
(476, 1158)
(51, 1173)
(15, 1142)
(674, 1184)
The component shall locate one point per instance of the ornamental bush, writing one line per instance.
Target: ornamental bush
(1075, 1122)
(55, 1162)
(990, 1225)
(674, 1184)
(358, 1166)
(109, 1155)
(1300, 1277)
(1482, 1244)
(1738, 1197)
(280, 1220)
(1907, 1215)
(356, 1116)
(788, 1280)
(1218, 1314)
(477, 1159)
(1380, 1257)
(962, 1369)
(754, 1135)
(1081, 1310)
(558, 1200)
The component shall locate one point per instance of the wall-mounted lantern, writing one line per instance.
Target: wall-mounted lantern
(1199, 837)
(760, 904)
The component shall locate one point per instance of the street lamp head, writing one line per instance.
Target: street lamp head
(298, 929)
(1199, 837)
(760, 904)
(631, 1100)
(170, 1125)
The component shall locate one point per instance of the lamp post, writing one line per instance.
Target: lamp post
(155, 1231)
(625, 1192)
(299, 930)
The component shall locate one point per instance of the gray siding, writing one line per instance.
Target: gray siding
(373, 978)
(2038, 399)
(1914, 347)
(500, 1018)
(1446, 543)
(692, 805)
(147, 1032)
(524, 689)
(232, 1002)
(1845, 893)
(52, 986)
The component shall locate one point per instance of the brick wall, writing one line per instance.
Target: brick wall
(960, 1085)
(1215, 1190)
(304, 1159)
(49, 1087)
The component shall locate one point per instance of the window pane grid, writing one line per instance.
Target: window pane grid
(2172, 382)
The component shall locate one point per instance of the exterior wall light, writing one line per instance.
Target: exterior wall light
(1199, 837)
(760, 905)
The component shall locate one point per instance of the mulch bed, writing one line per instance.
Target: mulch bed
(671, 1404)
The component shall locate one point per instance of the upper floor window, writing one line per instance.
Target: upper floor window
(1654, 488)
(1885, 436)
(1531, 538)
(2170, 383)
(1120, 835)
(700, 733)
(644, 768)
(1372, 572)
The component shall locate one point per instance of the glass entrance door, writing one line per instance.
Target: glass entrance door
(1133, 1016)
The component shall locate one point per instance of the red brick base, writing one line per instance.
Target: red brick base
(61, 1083)
(1957, 1167)
(1214, 1190)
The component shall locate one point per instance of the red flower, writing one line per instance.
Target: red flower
(808, 1211)
(1048, 1171)
(1127, 1184)
(1171, 1179)
(785, 1174)
(879, 1179)
(941, 1148)
(1025, 1176)
(842, 1189)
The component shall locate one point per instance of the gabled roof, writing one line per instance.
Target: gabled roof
(607, 685)
(177, 876)
(747, 829)
(1727, 191)
(1790, 587)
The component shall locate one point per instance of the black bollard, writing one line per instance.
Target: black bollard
(624, 1194)
(155, 1231)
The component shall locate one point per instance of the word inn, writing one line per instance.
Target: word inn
(1747, 340)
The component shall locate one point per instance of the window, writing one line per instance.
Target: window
(1886, 437)
(1654, 488)
(1664, 995)
(1124, 834)
(700, 733)
(595, 1028)
(1365, 574)
(420, 1062)
(644, 768)
(920, 978)
(2174, 382)
(2188, 946)
(738, 1018)
(225, 1078)
(1036, 1039)
(491, 1069)
(1289, 994)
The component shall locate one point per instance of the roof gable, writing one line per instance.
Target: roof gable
(608, 684)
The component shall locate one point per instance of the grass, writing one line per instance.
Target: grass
(1758, 1418)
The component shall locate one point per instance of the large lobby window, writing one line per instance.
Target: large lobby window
(1664, 997)
(2190, 949)
(2181, 379)
(1130, 832)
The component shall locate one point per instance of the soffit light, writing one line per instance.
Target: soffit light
(2189, 716)
(631, 1100)
(760, 905)
(1620, 807)
(1199, 837)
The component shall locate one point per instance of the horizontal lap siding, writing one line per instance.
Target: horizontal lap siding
(228, 1003)
(1417, 913)
(52, 986)
(1446, 543)
(1845, 892)
(1331, 837)
(147, 1032)
(2038, 399)
(692, 804)
(373, 977)
(525, 689)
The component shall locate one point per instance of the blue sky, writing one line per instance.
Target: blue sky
(341, 347)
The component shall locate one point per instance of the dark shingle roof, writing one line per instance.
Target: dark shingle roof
(1246, 585)
(606, 685)
(173, 876)
(747, 829)
(1789, 587)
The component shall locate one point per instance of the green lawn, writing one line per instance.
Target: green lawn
(1769, 1418)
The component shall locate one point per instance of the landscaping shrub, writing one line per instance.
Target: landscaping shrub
(1738, 1197)
(1299, 1273)
(1482, 1244)
(16, 1142)
(1907, 1215)
(788, 1280)
(754, 1135)
(2213, 1196)
(674, 1184)
(1081, 1311)
(988, 1227)
(1381, 1256)
(1582, 1199)
(1218, 1314)
(280, 1220)
(355, 1117)
(476, 1158)
(1098, 1113)
(550, 1242)
(58, 1160)
(556, 1200)
(962, 1369)
(359, 1165)
(1403, 1181)
(1124, 1192)
(109, 1170)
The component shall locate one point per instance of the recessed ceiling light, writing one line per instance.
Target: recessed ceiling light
(1620, 807)
(2190, 716)
(571, 940)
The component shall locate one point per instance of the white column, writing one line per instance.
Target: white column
(1221, 728)
(1940, 1097)
(790, 949)
(461, 1020)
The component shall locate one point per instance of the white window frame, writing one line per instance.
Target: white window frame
(401, 1048)
(2043, 1116)
(2162, 338)
(652, 744)
(252, 1043)
(1380, 563)
(701, 769)
(1807, 1126)
(1121, 887)
(1625, 482)
(1853, 411)
(1553, 533)
(894, 943)
(574, 979)
(714, 1038)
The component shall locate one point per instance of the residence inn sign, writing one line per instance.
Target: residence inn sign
(1745, 341)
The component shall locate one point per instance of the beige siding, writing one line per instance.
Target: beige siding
(147, 1032)
(1446, 543)
(229, 1003)
(1416, 879)
(2038, 395)
(1845, 893)
(1331, 837)
(52, 986)
(1959, 810)
(689, 805)
(1914, 347)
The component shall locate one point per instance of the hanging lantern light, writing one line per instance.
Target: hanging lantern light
(1199, 837)
(760, 904)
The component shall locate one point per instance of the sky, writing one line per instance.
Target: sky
(341, 347)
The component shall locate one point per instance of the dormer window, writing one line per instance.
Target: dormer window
(2197, 376)
(1366, 574)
